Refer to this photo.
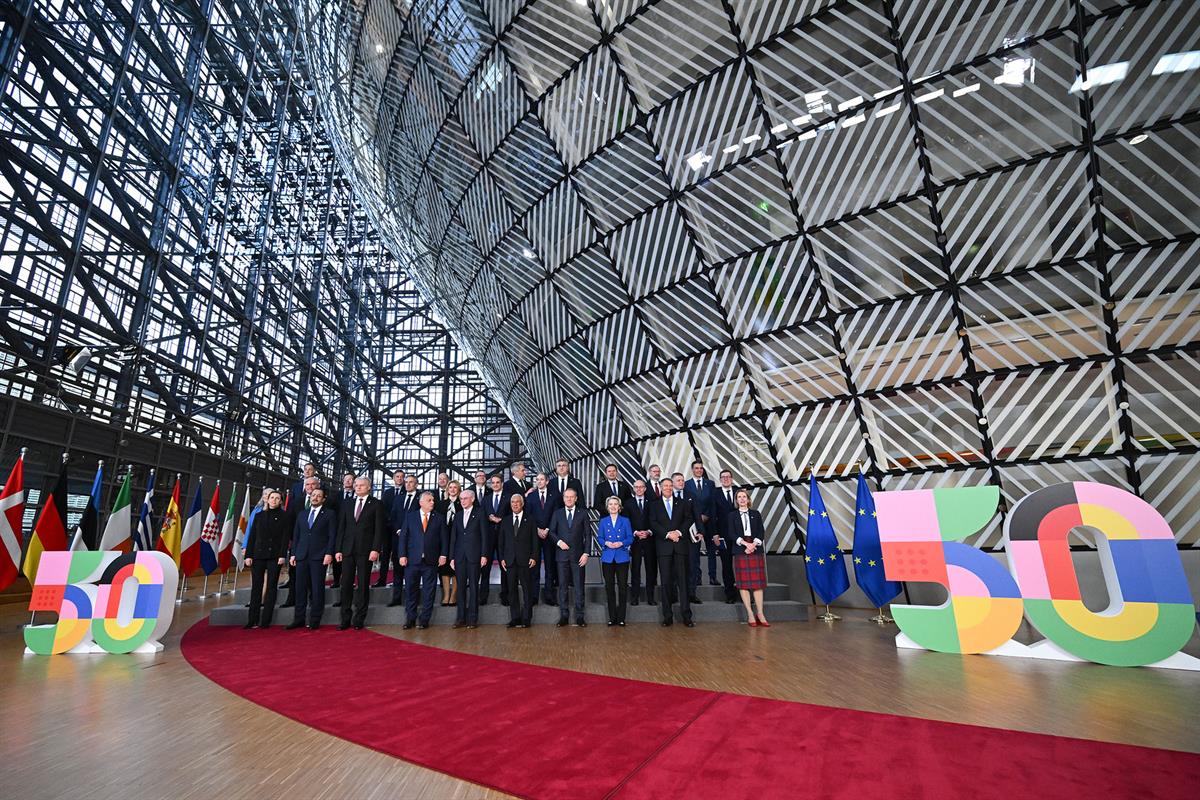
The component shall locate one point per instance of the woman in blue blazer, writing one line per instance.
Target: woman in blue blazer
(615, 537)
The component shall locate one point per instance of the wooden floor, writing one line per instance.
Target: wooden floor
(149, 726)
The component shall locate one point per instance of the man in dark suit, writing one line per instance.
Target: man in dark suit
(557, 485)
(569, 533)
(642, 551)
(495, 508)
(671, 521)
(540, 504)
(421, 540)
(362, 524)
(517, 543)
(563, 480)
(388, 558)
(517, 483)
(611, 486)
(718, 537)
(468, 541)
(701, 491)
(403, 503)
(297, 493)
(297, 508)
(313, 539)
(336, 500)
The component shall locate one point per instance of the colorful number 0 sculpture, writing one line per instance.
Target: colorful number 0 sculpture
(107, 602)
(1150, 614)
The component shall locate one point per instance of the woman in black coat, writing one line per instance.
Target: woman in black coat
(744, 536)
(270, 537)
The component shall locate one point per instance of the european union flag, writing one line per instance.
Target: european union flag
(868, 555)
(823, 559)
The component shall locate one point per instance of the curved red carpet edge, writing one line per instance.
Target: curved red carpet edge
(540, 732)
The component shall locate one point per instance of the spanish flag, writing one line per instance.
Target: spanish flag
(171, 535)
(50, 530)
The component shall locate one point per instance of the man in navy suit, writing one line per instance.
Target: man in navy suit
(313, 538)
(421, 540)
(389, 558)
(700, 491)
(557, 484)
(671, 522)
(517, 482)
(716, 535)
(403, 503)
(611, 486)
(495, 508)
(569, 533)
(468, 541)
(540, 505)
(298, 492)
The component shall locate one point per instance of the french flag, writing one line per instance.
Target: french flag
(189, 549)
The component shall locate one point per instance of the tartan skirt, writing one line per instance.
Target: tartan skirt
(750, 571)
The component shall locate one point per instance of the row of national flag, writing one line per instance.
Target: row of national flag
(208, 540)
(824, 562)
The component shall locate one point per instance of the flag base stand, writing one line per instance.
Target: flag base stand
(182, 588)
(828, 616)
(882, 618)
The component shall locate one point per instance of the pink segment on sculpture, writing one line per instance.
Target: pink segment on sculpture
(1148, 522)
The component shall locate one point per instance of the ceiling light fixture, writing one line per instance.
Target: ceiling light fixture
(1141, 137)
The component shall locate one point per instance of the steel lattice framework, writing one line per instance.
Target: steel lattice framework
(955, 241)
(168, 198)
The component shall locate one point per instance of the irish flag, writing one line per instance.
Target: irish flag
(225, 548)
(50, 530)
(118, 531)
(12, 506)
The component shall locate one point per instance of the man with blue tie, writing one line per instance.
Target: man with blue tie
(467, 544)
(496, 506)
(403, 504)
(540, 505)
(313, 538)
(421, 540)
(569, 531)
(700, 490)
(671, 523)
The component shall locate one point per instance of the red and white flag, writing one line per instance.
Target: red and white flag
(12, 506)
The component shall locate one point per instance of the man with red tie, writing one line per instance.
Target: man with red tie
(422, 539)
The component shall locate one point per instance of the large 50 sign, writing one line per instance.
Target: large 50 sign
(1150, 615)
(107, 602)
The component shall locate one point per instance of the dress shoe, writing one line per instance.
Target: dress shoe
(696, 601)
(293, 626)
(562, 623)
(343, 626)
(360, 626)
(287, 585)
(314, 626)
(581, 623)
(378, 584)
(690, 624)
(633, 602)
(730, 602)
(666, 623)
(752, 624)
(248, 626)
(422, 625)
(621, 623)
(408, 626)
(471, 625)
(337, 604)
(512, 624)
(457, 625)
(611, 623)
(522, 624)
(503, 601)
(394, 603)
(762, 623)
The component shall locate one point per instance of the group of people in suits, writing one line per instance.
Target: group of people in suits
(538, 531)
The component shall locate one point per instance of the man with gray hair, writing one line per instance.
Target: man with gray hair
(361, 528)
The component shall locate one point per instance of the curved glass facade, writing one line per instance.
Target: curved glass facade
(955, 242)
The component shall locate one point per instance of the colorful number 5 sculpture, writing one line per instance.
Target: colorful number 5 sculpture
(1150, 614)
(107, 602)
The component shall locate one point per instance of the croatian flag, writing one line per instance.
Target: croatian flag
(210, 536)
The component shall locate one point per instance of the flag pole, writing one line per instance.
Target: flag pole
(881, 618)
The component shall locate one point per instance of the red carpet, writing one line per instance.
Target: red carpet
(549, 733)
